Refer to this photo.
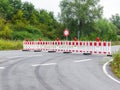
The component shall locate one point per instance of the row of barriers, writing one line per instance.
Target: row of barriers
(91, 47)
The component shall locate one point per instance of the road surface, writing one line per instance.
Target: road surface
(53, 71)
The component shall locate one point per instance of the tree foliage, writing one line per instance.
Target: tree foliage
(5, 31)
(20, 20)
(77, 14)
(115, 19)
(105, 30)
(20, 16)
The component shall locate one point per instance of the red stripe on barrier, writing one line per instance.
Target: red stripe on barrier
(90, 43)
(69, 43)
(104, 52)
(95, 51)
(25, 42)
(77, 43)
(38, 43)
(32, 43)
(72, 43)
(95, 44)
(109, 44)
(81, 43)
(58, 43)
(41, 43)
(53, 43)
(91, 52)
(84, 43)
(104, 44)
(100, 44)
(87, 43)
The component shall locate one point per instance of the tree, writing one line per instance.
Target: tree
(104, 29)
(28, 10)
(77, 14)
(16, 5)
(9, 7)
(5, 9)
(5, 31)
(115, 19)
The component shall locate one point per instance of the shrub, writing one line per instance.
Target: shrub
(116, 64)
(10, 45)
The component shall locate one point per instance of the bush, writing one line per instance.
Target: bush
(27, 32)
(105, 30)
(115, 42)
(10, 45)
(115, 65)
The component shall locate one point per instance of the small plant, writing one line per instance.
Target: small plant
(10, 45)
(115, 65)
(115, 43)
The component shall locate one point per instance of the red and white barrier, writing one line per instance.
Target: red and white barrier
(92, 47)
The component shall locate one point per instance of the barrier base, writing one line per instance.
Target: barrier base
(109, 55)
(25, 50)
(86, 53)
(67, 52)
(37, 50)
(51, 51)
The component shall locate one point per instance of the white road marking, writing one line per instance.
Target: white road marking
(2, 67)
(24, 56)
(108, 75)
(83, 60)
(35, 65)
(45, 64)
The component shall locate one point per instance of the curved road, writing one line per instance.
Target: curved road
(53, 71)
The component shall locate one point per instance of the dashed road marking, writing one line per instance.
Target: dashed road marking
(25, 56)
(45, 64)
(83, 60)
(108, 75)
(35, 65)
(2, 67)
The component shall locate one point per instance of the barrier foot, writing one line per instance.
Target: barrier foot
(51, 51)
(25, 50)
(109, 55)
(67, 52)
(37, 50)
(86, 53)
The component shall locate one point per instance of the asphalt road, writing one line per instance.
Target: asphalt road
(53, 71)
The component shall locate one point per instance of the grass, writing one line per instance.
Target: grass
(115, 65)
(10, 45)
(115, 43)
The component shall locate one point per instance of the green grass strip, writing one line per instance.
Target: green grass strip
(10, 45)
(115, 65)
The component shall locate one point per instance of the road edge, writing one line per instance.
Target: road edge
(107, 74)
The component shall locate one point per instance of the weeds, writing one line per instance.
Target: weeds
(115, 65)
(10, 45)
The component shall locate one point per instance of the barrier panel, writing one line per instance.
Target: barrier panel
(92, 47)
